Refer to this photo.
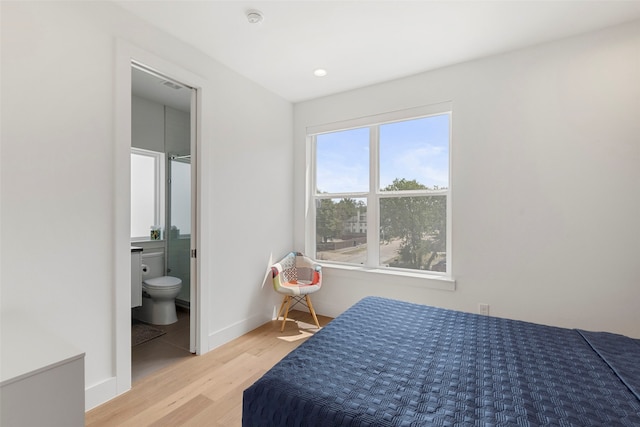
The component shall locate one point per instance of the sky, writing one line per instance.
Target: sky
(413, 149)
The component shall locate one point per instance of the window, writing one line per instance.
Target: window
(380, 191)
(147, 192)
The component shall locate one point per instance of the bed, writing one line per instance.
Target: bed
(391, 363)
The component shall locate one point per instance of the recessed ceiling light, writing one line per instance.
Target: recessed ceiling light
(254, 16)
(320, 72)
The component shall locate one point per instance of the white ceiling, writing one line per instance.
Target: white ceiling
(365, 42)
(158, 89)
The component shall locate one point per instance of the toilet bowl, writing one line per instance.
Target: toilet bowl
(159, 300)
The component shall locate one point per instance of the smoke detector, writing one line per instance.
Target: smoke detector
(254, 16)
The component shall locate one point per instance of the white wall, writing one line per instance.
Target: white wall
(177, 131)
(58, 170)
(160, 128)
(545, 181)
(147, 124)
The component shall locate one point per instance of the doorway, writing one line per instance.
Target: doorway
(162, 129)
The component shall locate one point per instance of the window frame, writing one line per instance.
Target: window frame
(375, 195)
(159, 159)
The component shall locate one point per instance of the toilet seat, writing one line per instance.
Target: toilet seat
(163, 282)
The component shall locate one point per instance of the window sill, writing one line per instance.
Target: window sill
(422, 280)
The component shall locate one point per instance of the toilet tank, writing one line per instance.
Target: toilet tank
(152, 265)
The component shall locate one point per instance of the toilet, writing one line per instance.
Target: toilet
(159, 292)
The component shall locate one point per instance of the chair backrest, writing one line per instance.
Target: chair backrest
(295, 268)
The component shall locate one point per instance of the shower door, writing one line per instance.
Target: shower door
(178, 232)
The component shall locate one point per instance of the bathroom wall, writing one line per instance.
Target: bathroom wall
(177, 127)
(159, 128)
(147, 124)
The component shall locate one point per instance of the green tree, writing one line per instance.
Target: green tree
(419, 221)
(349, 208)
(328, 225)
(345, 209)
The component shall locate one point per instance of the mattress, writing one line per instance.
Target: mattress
(391, 363)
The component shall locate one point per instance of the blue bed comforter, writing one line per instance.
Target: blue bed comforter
(392, 363)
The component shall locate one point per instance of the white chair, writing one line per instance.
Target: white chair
(296, 276)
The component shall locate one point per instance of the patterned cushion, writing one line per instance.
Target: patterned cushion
(296, 274)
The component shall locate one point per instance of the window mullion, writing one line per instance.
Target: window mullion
(373, 201)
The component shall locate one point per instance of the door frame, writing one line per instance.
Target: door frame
(126, 55)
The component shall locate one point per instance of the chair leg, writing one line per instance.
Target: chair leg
(313, 312)
(284, 301)
(287, 299)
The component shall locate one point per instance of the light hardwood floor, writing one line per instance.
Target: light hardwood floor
(206, 390)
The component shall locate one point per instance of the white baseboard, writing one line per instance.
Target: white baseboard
(100, 393)
(223, 336)
(326, 308)
(106, 390)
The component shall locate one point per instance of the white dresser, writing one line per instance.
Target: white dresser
(41, 377)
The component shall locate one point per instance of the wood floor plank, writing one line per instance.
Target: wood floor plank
(217, 378)
(184, 413)
(206, 390)
(148, 392)
(226, 409)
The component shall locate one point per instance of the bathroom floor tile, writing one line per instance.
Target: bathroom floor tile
(163, 351)
(179, 338)
(153, 356)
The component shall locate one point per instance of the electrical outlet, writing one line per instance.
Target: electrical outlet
(483, 309)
